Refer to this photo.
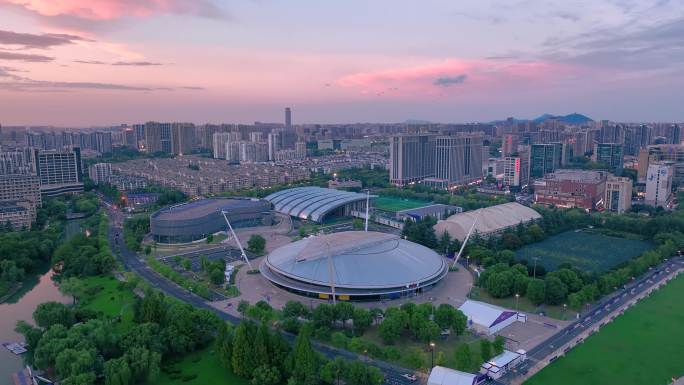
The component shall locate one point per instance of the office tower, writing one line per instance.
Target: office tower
(458, 159)
(219, 141)
(158, 137)
(19, 199)
(659, 184)
(618, 196)
(663, 153)
(288, 117)
(182, 138)
(509, 145)
(412, 158)
(100, 172)
(609, 154)
(516, 169)
(545, 158)
(60, 172)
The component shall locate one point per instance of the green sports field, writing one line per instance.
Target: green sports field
(642, 347)
(585, 251)
(397, 204)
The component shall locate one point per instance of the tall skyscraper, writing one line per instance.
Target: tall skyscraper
(509, 145)
(288, 117)
(412, 158)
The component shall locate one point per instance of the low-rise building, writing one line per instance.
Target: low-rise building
(487, 318)
(344, 183)
(497, 366)
(440, 375)
(618, 194)
(438, 211)
(571, 188)
(20, 195)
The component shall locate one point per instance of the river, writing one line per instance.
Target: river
(36, 289)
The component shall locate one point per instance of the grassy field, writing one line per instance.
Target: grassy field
(198, 368)
(586, 251)
(104, 295)
(642, 347)
(397, 204)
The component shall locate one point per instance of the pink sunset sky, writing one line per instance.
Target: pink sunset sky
(102, 62)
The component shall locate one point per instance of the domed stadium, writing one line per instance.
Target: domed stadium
(364, 266)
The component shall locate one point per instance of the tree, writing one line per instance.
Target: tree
(358, 373)
(323, 315)
(53, 313)
(460, 322)
(266, 375)
(485, 349)
(186, 264)
(463, 357)
(357, 224)
(333, 370)
(429, 331)
(72, 286)
(210, 238)
(224, 344)
(256, 244)
(343, 311)
(556, 290)
(305, 369)
(262, 348)
(536, 291)
(499, 344)
(390, 330)
(217, 276)
(362, 320)
(536, 233)
(117, 372)
(243, 359)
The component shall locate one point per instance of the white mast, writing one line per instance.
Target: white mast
(237, 240)
(331, 269)
(472, 227)
(367, 205)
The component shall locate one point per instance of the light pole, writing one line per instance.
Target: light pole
(517, 297)
(565, 306)
(534, 274)
(432, 350)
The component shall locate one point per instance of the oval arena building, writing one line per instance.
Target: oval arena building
(365, 266)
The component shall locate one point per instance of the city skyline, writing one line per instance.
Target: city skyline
(84, 63)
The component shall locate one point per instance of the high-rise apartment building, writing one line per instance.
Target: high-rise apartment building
(182, 138)
(659, 184)
(545, 158)
(516, 169)
(412, 158)
(158, 137)
(618, 196)
(100, 173)
(609, 154)
(60, 172)
(17, 162)
(219, 141)
(509, 145)
(660, 153)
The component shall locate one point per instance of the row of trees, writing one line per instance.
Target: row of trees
(135, 229)
(467, 197)
(87, 254)
(80, 346)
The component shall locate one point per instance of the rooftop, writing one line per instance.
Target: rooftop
(445, 376)
(311, 202)
(483, 313)
(203, 207)
(576, 175)
(489, 219)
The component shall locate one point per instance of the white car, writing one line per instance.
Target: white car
(410, 377)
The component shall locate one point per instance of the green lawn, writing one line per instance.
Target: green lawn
(199, 368)
(644, 346)
(104, 295)
(397, 204)
(583, 250)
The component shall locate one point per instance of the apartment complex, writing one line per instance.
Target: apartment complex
(670, 153)
(100, 173)
(609, 154)
(19, 199)
(546, 158)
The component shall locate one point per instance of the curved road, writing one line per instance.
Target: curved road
(132, 262)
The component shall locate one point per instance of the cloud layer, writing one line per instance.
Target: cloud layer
(29, 40)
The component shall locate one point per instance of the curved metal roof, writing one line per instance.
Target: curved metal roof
(361, 260)
(489, 220)
(314, 202)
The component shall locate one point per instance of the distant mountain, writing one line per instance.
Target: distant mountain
(573, 118)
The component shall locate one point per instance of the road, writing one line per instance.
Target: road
(596, 315)
(131, 261)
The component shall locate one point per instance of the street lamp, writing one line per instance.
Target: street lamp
(517, 297)
(565, 306)
(432, 349)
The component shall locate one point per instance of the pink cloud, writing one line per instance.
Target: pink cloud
(115, 9)
(453, 77)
